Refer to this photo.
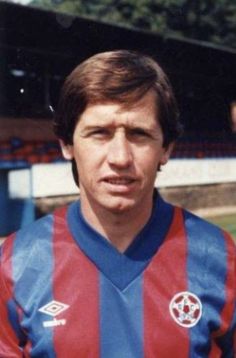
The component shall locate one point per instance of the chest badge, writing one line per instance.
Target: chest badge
(186, 309)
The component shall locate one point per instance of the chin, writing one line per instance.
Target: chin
(120, 206)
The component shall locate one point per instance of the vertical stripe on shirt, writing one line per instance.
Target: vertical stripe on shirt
(81, 329)
(163, 279)
(9, 319)
(33, 261)
(121, 324)
(206, 245)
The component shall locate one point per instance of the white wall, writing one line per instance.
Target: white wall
(45, 180)
(179, 172)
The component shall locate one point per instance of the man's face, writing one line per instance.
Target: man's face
(117, 150)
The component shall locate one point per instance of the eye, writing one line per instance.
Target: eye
(100, 133)
(139, 132)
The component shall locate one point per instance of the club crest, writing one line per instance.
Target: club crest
(186, 309)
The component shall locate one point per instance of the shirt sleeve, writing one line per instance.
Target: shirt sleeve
(9, 339)
(227, 341)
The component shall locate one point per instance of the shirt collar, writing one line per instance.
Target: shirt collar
(122, 268)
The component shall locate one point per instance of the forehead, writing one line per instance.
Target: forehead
(143, 111)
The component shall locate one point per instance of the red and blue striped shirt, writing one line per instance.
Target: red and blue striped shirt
(65, 291)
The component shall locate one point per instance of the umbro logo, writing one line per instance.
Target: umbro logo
(53, 309)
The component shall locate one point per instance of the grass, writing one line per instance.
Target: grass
(227, 222)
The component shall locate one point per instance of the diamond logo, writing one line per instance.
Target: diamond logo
(53, 308)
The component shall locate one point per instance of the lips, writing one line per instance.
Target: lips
(119, 181)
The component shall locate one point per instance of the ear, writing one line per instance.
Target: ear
(67, 150)
(167, 153)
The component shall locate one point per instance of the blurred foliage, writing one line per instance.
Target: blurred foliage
(208, 20)
(227, 222)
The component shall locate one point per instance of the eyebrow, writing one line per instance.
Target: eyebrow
(90, 127)
(130, 126)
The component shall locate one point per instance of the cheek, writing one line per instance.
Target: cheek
(87, 160)
(148, 163)
(81, 163)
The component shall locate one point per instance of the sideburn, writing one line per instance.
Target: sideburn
(75, 172)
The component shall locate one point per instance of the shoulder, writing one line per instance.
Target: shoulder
(38, 231)
(29, 236)
(203, 226)
(207, 238)
(31, 246)
(20, 248)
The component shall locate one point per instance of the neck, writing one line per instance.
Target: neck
(118, 228)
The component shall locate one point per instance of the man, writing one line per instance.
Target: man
(120, 273)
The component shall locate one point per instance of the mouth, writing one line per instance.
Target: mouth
(120, 184)
(119, 180)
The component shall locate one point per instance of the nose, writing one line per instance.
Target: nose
(119, 152)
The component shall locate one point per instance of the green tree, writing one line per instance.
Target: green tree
(209, 20)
